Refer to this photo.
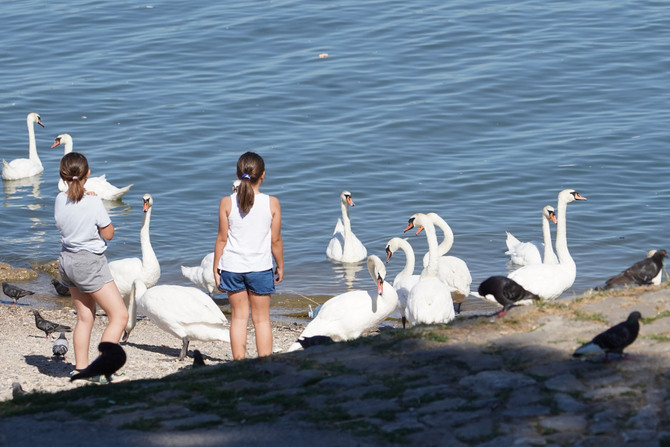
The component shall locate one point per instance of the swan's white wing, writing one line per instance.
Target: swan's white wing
(522, 253)
(545, 280)
(430, 302)
(105, 190)
(20, 168)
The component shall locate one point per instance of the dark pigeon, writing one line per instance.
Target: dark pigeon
(306, 342)
(111, 358)
(61, 288)
(49, 327)
(641, 273)
(506, 291)
(614, 339)
(198, 361)
(15, 292)
(60, 346)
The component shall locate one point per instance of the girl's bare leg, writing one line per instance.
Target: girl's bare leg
(81, 337)
(260, 315)
(239, 305)
(109, 299)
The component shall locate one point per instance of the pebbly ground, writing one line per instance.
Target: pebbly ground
(482, 381)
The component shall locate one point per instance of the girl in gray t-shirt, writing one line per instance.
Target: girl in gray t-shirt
(85, 228)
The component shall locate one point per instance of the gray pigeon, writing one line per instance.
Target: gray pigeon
(61, 288)
(60, 346)
(111, 358)
(15, 292)
(49, 327)
(17, 390)
(614, 339)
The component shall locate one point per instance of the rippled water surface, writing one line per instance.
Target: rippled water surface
(481, 112)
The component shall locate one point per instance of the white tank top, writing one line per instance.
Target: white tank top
(249, 245)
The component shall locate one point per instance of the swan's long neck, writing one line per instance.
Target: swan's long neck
(137, 289)
(32, 145)
(410, 260)
(448, 240)
(432, 268)
(68, 147)
(345, 217)
(149, 259)
(562, 252)
(546, 234)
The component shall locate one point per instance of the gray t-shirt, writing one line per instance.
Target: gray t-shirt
(78, 223)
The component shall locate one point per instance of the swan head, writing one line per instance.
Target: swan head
(345, 197)
(418, 221)
(63, 138)
(34, 118)
(570, 195)
(391, 246)
(377, 271)
(549, 213)
(147, 202)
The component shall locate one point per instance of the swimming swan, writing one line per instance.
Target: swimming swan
(25, 167)
(344, 246)
(98, 185)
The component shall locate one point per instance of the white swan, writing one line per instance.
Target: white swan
(549, 281)
(25, 167)
(344, 246)
(452, 270)
(429, 301)
(147, 269)
(98, 185)
(185, 312)
(347, 316)
(202, 275)
(406, 279)
(528, 253)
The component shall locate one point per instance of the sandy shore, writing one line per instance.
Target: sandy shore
(27, 355)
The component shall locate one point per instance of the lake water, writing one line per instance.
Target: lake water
(480, 112)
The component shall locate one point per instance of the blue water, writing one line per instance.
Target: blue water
(480, 112)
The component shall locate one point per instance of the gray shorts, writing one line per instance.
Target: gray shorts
(84, 270)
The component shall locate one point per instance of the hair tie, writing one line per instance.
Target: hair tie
(75, 178)
(246, 176)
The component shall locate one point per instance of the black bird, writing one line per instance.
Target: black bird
(49, 327)
(614, 339)
(198, 361)
(60, 346)
(506, 291)
(111, 358)
(61, 288)
(15, 292)
(641, 273)
(306, 342)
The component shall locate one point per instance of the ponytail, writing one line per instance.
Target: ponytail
(73, 171)
(250, 168)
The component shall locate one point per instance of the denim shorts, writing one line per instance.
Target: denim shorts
(84, 270)
(259, 283)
